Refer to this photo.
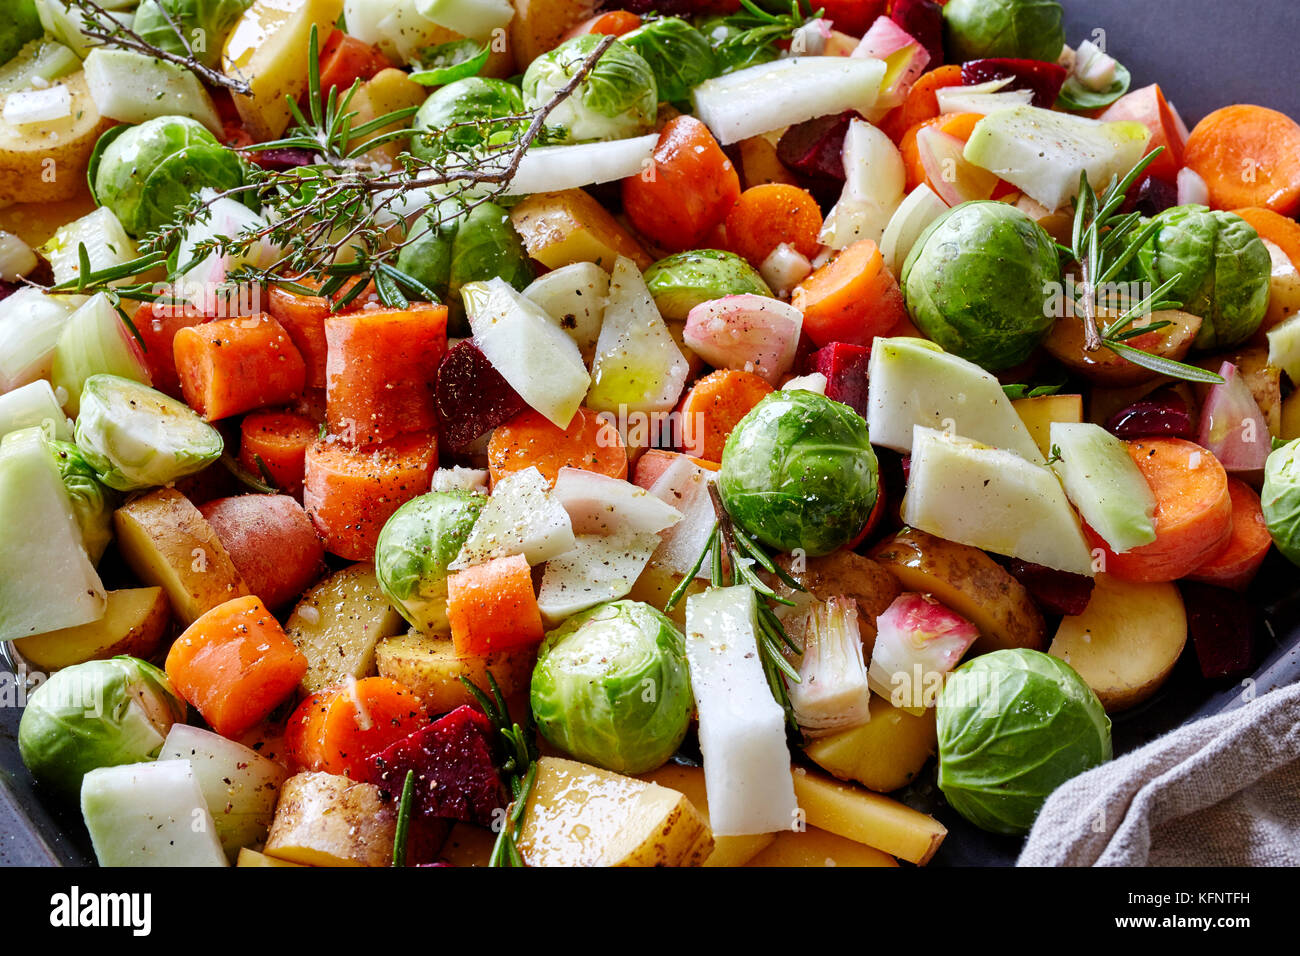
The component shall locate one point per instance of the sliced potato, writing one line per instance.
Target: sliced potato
(337, 625)
(1127, 641)
(1104, 367)
(814, 847)
(867, 817)
(885, 753)
(249, 857)
(540, 25)
(46, 162)
(727, 850)
(166, 542)
(849, 574)
(1039, 412)
(327, 820)
(559, 229)
(468, 845)
(759, 163)
(578, 815)
(432, 669)
(969, 582)
(386, 92)
(134, 622)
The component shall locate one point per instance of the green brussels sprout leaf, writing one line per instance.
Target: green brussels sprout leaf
(617, 99)
(1030, 29)
(680, 282)
(449, 62)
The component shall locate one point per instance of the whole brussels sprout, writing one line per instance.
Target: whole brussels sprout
(1013, 726)
(136, 437)
(144, 173)
(96, 714)
(427, 257)
(611, 687)
(1225, 271)
(978, 281)
(798, 472)
(92, 503)
(473, 100)
(680, 282)
(205, 24)
(1280, 498)
(679, 55)
(1032, 29)
(414, 548)
(617, 99)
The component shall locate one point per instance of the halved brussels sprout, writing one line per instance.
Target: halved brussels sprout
(414, 548)
(144, 173)
(798, 473)
(1280, 498)
(1032, 29)
(205, 24)
(680, 282)
(441, 122)
(617, 99)
(679, 55)
(137, 437)
(96, 714)
(611, 687)
(92, 502)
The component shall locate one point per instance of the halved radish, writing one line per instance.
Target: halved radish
(747, 331)
(955, 179)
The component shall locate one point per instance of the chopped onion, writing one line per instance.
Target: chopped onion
(38, 106)
(918, 642)
(599, 504)
(962, 99)
(16, 257)
(784, 268)
(548, 169)
(812, 382)
(685, 486)
(1191, 188)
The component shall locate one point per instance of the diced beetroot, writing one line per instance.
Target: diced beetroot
(7, 289)
(814, 148)
(1162, 414)
(280, 159)
(1058, 592)
(1222, 627)
(845, 368)
(455, 778)
(1043, 79)
(1154, 196)
(471, 396)
(924, 20)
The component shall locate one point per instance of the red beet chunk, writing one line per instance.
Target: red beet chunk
(923, 19)
(455, 778)
(1043, 79)
(471, 396)
(280, 159)
(845, 368)
(1222, 627)
(813, 148)
(7, 289)
(1163, 413)
(1154, 196)
(1058, 592)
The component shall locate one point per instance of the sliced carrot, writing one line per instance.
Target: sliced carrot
(1193, 516)
(655, 461)
(853, 298)
(529, 440)
(768, 215)
(344, 59)
(303, 317)
(1279, 230)
(235, 664)
(158, 325)
(1248, 156)
(276, 440)
(381, 370)
(492, 607)
(349, 493)
(1235, 566)
(613, 23)
(685, 191)
(713, 407)
(229, 366)
(921, 102)
(338, 729)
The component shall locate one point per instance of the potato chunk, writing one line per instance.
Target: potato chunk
(559, 229)
(883, 754)
(727, 850)
(432, 669)
(133, 623)
(327, 820)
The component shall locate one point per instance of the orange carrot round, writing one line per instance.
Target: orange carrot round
(768, 215)
(713, 407)
(853, 298)
(229, 366)
(921, 102)
(235, 664)
(338, 729)
(492, 607)
(1279, 230)
(349, 493)
(528, 440)
(1235, 566)
(303, 317)
(1193, 516)
(279, 440)
(1248, 156)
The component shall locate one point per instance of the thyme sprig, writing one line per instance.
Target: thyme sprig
(518, 767)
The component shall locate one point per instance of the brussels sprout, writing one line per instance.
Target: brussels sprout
(617, 99)
(978, 282)
(19, 23)
(205, 24)
(136, 437)
(1280, 498)
(798, 472)
(679, 55)
(1032, 29)
(1013, 726)
(96, 714)
(486, 246)
(414, 548)
(611, 687)
(1224, 268)
(473, 100)
(681, 282)
(144, 173)
(92, 503)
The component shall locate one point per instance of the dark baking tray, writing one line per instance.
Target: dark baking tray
(1205, 54)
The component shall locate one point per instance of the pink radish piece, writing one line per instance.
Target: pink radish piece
(918, 641)
(748, 332)
(1232, 426)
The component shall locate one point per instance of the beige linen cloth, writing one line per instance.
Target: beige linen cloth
(1222, 791)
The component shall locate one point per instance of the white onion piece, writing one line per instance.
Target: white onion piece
(38, 106)
(549, 169)
(1192, 189)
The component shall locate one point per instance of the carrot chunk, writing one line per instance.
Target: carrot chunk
(714, 406)
(340, 728)
(530, 440)
(229, 366)
(492, 607)
(853, 298)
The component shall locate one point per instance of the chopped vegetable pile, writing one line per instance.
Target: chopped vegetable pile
(479, 432)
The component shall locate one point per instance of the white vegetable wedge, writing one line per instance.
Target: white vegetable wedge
(599, 568)
(521, 517)
(548, 169)
(599, 504)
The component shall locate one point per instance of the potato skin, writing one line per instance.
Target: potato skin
(337, 625)
(432, 669)
(847, 573)
(271, 541)
(327, 820)
(133, 624)
(47, 162)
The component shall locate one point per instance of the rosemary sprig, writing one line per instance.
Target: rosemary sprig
(404, 807)
(518, 767)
